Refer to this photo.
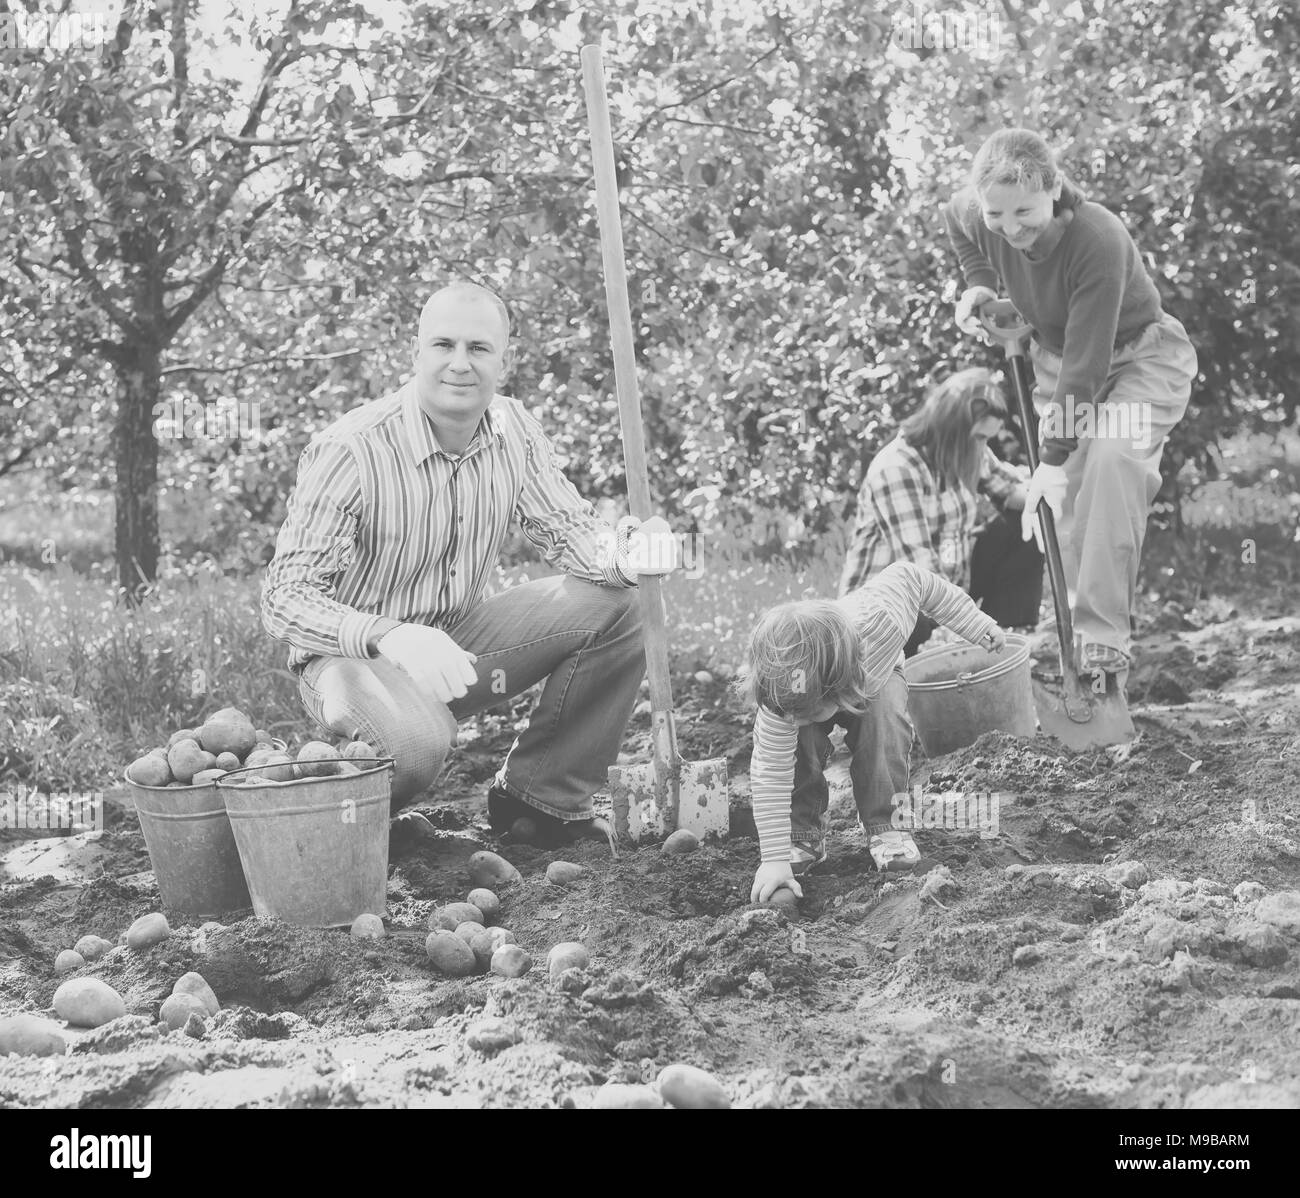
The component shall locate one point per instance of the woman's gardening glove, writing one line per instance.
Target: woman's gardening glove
(967, 310)
(1049, 483)
(648, 547)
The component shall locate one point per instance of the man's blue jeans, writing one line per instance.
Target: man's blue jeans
(880, 743)
(584, 639)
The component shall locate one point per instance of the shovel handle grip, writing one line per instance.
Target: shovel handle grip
(1003, 323)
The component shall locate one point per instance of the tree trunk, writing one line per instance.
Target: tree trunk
(135, 452)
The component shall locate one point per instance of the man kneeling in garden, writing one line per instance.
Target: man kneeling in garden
(393, 529)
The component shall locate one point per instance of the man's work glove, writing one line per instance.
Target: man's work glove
(436, 664)
(967, 315)
(770, 877)
(1049, 483)
(652, 546)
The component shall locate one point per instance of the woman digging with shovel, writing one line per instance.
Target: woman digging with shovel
(1113, 371)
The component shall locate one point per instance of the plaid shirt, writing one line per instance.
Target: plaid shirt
(385, 527)
(905, 514)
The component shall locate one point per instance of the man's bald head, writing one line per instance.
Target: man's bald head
(464, 289)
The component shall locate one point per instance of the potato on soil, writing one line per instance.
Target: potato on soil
(177, 1009)
(185, 759)
(194, 985)
(450, 917)
(486, 941)
(316, 759)
(31, 1036)
(368, 927)
(150, 770)
(691, 1089)
(68, 960)
(88, 1002)
(563, 873)
(511, 961)
(486, 901)
(617, 1096)
(490, 870)
(92, 947)
(681, 841)
(569, 955)
(467, 929)
(148, 930)
(450, 954)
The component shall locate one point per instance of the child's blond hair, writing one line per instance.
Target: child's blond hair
(801, 656)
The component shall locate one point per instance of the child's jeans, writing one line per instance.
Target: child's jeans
(880, 741)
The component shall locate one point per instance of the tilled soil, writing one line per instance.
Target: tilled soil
(1129, 938)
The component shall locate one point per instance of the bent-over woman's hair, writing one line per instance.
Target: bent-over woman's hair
(941, 427)
(800, 656)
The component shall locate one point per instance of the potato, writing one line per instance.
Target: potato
(511, 961)
(92, 947)
(150, 770)
(182, 734)
(467, 929)
(368, 927)
(563, 873)
(488, 869)
(357, 748)
(68, 960)
(316, 760)
(681, 841)
(450, 954)
(277, 768)
(263, 737)
(486, 901)
(784, 900)
(228, 731)
(618, 1096)
(260, 755)
(227, 761)
(450, 917)
(31, 1036)
(177, 1009)
(148, 930)
(88, 1002)
(486, 941)
(690, 1089)
(185, 759)
(195, 986)
(346, 767)
(207, 777)
(569, 955)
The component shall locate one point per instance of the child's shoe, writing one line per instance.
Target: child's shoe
(804, 856)
(893, 852)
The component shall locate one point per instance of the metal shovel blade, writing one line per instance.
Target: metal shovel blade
(1079, 716)
(643, 809)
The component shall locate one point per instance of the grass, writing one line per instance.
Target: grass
(86, 685)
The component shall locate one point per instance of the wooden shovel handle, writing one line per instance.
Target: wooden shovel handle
(629, 398)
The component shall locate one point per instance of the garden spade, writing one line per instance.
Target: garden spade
(1082, 710)
(668, 793)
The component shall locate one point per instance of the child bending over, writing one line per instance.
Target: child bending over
(817, 663)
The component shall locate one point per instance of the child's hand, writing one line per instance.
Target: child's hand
(993, 641)
(770, 877)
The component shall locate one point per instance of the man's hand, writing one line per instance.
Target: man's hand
(652, 546)
(1049, 483)
(770, 877)
(436, 664)
(967, 310)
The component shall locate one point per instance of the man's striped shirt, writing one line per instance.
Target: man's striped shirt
(384, 526)
(883, 613)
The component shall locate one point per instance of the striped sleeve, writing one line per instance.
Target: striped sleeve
(887, 608)
(771, 780)
(560, 523)
(313, 550)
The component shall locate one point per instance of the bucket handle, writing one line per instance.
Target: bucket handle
(964, 678)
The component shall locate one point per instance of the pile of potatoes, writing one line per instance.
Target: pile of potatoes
(227, 740)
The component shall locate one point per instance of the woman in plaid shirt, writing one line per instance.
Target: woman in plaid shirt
(919, 503)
